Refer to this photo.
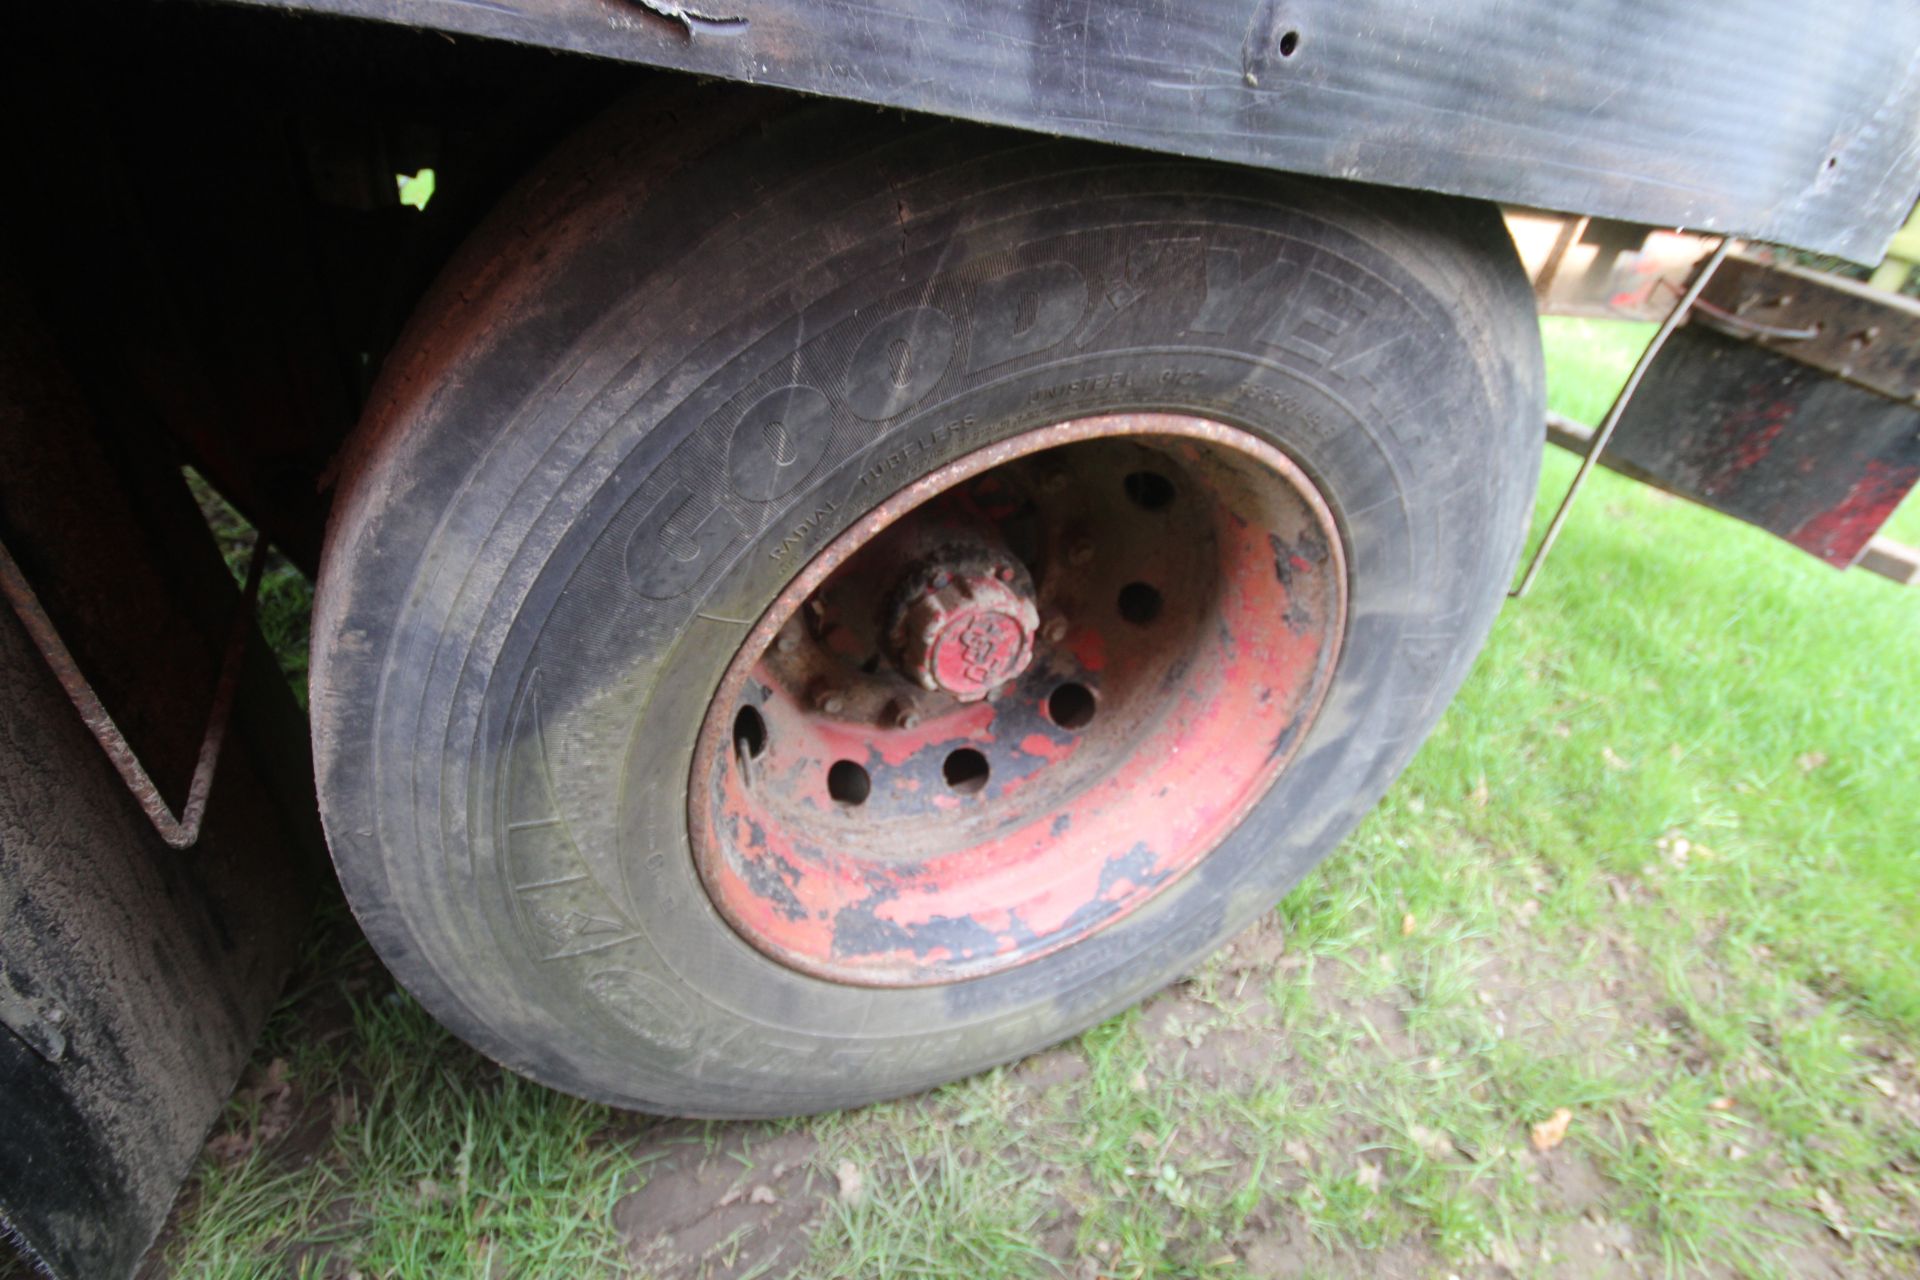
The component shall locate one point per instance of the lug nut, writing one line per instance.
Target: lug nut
(1056, 631)
(1080, 551)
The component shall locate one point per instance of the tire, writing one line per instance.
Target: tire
(547, 547)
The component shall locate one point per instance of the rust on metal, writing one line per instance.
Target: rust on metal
(1584, 266)
(1790, 400)
(1855, 332)
(963, 617)
(181, 831)
(1745, 327)
(1883, 556)
(1176, 591)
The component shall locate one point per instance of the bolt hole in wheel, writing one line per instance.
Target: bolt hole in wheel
(1139, 603)
(1071, 706)
(749, 734)
(966, 771)
(994, 789)
(1149, 490)
(848, 783)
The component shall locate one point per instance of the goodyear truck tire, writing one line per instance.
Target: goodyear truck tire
(825, 603)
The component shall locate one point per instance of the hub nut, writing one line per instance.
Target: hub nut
(966, 631)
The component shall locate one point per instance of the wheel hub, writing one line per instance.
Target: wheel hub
(965, 625)
(1017, 700)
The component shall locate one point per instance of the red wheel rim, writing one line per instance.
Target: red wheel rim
(1017, 699)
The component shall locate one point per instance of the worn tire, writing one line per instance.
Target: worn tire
(541, 560)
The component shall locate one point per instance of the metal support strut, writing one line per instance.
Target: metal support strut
(1612, 420)
(180, 832)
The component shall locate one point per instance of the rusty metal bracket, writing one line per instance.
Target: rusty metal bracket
(1852, 331)
(179, 832)
(1740, 327)
(1612, 420)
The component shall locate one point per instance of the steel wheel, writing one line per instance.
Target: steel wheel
(1018, 699)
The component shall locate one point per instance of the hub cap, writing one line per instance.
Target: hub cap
(1017, 700)
(965, 623)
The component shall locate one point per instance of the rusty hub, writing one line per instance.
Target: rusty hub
(964, 623)
(1017, 699)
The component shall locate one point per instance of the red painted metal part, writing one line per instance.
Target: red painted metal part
(967, 634)
(1189, 590)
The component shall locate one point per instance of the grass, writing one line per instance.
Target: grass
(1656, 868)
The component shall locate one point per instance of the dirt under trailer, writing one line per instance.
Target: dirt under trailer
(852, 540)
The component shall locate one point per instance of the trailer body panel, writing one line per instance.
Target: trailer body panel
(1771, 119)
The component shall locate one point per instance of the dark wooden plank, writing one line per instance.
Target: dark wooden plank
(1891, 559)
(1781, 120)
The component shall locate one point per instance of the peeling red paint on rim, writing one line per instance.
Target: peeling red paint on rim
(861, 830)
